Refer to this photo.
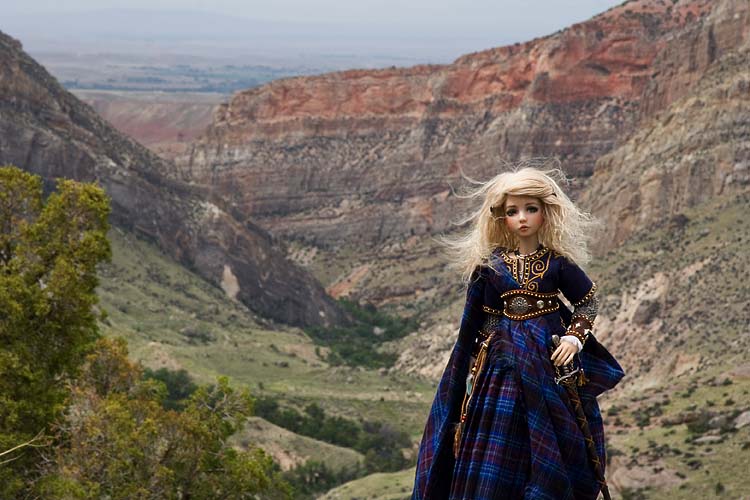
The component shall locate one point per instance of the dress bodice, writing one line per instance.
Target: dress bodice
(543, 271)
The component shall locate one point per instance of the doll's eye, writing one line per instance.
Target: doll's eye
(532, 209)
(511, 212)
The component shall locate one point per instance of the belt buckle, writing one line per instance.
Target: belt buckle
(519, 305)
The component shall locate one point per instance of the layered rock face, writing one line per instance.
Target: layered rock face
(696, 150)
(691, 152)
(164, 123)
(359, 157)
(46, 130)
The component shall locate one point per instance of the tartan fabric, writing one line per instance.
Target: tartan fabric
(435, 458)
(520, 439)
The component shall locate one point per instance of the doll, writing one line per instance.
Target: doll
(502, 426)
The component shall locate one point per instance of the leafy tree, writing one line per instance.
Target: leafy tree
(108, 432)
(358, 344)
(180, 385)
(118, 441)
(382, 446)
(49, 250)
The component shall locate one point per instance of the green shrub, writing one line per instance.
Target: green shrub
(358, 343)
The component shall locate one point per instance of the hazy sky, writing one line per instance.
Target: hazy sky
(325, 34)
(521, 19)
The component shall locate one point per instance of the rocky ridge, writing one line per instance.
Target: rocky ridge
(693, 151)
(293, 153)
(662, 315)
(46, 130)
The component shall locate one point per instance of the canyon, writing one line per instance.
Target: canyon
(292, 154)
(344, 180)
(46, 130)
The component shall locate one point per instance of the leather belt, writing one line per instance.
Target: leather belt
(523, 304)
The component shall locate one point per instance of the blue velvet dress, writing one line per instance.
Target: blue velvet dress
(520, 438)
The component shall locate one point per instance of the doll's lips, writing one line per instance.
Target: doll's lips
(524, 227)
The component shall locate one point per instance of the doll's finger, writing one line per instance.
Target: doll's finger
(556, 355)
(560, 357)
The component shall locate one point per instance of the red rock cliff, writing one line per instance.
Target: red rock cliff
(361, 156)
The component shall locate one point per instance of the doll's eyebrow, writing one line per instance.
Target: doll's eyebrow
(528, 204)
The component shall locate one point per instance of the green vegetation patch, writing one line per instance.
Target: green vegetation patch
(358, 344)
(380, 443)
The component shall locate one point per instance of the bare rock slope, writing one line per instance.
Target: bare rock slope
(46, 130)
(691, 152)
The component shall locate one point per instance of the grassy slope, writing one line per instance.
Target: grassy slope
(394, 486)
(157, 305)
(660, 457)
(151, 300)
(291, 449)
(665, 461)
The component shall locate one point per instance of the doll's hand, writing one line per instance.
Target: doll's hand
(564, 353)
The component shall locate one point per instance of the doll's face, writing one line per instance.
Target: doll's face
(523, 215)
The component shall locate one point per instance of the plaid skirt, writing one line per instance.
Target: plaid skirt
(520, 439)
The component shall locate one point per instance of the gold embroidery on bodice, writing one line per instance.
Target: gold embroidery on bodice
(528, 270)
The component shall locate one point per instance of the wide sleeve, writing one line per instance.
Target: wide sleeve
(602, 371)
(573, 282)
(581, 293)
(473, 315)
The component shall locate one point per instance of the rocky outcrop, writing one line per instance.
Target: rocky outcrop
(688, 53)
(359, 157)
(46, 130)
(689, 153)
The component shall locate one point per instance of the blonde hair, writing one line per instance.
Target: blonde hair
(566, 229)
